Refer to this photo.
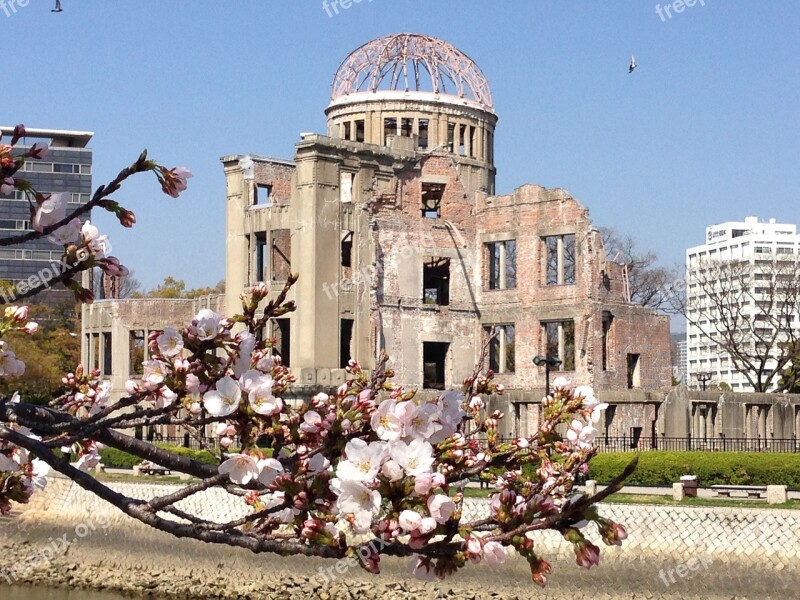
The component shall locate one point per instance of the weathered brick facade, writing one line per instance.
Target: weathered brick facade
(400, 244)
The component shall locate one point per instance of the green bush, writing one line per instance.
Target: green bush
(117, 459)
(711, 468)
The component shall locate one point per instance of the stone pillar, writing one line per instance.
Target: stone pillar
(677, 492)
(591, 487)
(776, 494)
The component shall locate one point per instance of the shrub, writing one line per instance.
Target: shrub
(116, 459)
(711, 468)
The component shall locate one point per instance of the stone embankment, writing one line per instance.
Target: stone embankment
(70, 538)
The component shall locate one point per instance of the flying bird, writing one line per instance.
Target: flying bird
(633, 64)
(58, 7)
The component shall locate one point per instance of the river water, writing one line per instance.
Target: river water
(36, 593)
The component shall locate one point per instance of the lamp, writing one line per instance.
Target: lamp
(549, 363)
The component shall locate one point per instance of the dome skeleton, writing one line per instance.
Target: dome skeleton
(383, 64)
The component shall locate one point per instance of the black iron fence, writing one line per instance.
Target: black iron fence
(720, 444)
(184, 441)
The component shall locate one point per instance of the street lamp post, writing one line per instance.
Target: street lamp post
(549, 363)
(703, 377)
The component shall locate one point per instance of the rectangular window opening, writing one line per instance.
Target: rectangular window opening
(261, 257)
(436, 281)
(432, 194)
(107, 353)
(559, 251)
(422, 143)
(451, 136)
(345, 341)
(347, 256)
(559, 337)
(462, 140)
(501, 348)
(472, 141)
(502, 265)
(263, 195)
(136, 354)
(434, 359)
(360, 130)
(346, 130)
(281, 338)
(406, 127)
(634, 371)
(389, 128)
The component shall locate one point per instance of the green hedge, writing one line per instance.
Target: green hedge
(711, 468)
(117, 459)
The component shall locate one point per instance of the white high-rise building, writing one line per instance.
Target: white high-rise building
(759, 249)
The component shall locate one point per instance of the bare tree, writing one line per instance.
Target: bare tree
(648, 283)
(748, 311)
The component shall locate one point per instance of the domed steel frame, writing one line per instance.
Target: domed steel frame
(411, 62)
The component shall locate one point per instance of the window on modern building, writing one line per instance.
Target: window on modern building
(260, 257)
(263, 196)
(345, 341)
(434, 360)
(436, 281)
(389, 128)
(422, 143)
(559, 253)
(360, 130)
(136, 351)
(281, 251)
(432, 194)
(502, 264)
(281, 335)
(107, 353)
(501, 348)
(559, 342)
(608, 340)
(634, 371)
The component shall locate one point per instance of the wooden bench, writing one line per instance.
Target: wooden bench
(754, 492)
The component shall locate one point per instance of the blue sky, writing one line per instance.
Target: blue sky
(705, 131)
